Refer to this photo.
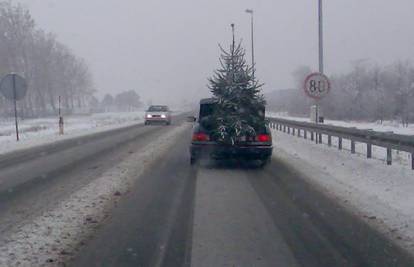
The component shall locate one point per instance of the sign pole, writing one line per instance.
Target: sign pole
(321, 65)
(14, 88)
(15, 107)
(316, 86)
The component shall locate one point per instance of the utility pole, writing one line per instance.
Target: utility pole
(250, 11)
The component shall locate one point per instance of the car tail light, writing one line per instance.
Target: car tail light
(265, 138)
(201, 137)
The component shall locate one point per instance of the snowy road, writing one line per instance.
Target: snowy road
(132, 199)
(220, 215)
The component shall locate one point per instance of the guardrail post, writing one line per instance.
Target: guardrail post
(312, 136)
(340, 143)
(298, 132)
(293, 131)
(369, 151)
(284, 128)
(389, 156)
(352, 146)
(288, 130)
(320, 138)
(305, 134)
(329, 140)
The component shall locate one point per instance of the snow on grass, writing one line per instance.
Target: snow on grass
(36, 132)
(381, 194)
(386, 126)
(380, 153)
(53, 237)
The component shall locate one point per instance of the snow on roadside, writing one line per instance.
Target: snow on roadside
(386, 126)
(43, 131)
(399, 157)
(381, 194)
(54, 236)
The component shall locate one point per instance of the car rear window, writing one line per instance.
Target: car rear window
(206, 110)
(158, 108)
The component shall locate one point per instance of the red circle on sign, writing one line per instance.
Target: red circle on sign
(320, 76)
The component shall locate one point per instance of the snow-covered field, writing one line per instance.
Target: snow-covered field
(381, 194)
(41, 131)
(386, 126)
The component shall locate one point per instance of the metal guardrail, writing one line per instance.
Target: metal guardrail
(387, 140)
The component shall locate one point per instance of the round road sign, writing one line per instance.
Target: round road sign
(317, 85)
(13, 87)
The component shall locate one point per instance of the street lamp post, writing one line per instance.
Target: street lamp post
(250, 11)
(321, 65)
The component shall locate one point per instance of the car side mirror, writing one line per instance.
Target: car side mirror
(191, 119)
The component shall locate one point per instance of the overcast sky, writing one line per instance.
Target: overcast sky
(166, 49)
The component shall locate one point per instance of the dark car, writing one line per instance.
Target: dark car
(258, 147)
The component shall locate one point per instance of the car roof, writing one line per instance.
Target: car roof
(211, 100)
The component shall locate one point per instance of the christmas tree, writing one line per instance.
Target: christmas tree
(240, 105)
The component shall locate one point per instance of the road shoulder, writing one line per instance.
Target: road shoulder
(351, 182)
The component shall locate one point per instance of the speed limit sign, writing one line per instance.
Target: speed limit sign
(317, 85)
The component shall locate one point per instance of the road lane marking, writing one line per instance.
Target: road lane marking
(231, 224)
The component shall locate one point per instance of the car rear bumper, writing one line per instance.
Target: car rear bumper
(223, 152)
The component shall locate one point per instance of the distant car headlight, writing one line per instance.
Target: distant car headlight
(149, 116)
(163, 116)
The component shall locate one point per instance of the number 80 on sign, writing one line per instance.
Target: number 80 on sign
(317, 85)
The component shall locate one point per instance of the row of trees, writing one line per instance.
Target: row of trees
(124, 101)
(49, 67)
(367, 92)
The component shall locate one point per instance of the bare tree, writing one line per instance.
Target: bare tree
(49, 67)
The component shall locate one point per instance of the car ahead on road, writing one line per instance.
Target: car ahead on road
(158, 114)
(259, 147)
